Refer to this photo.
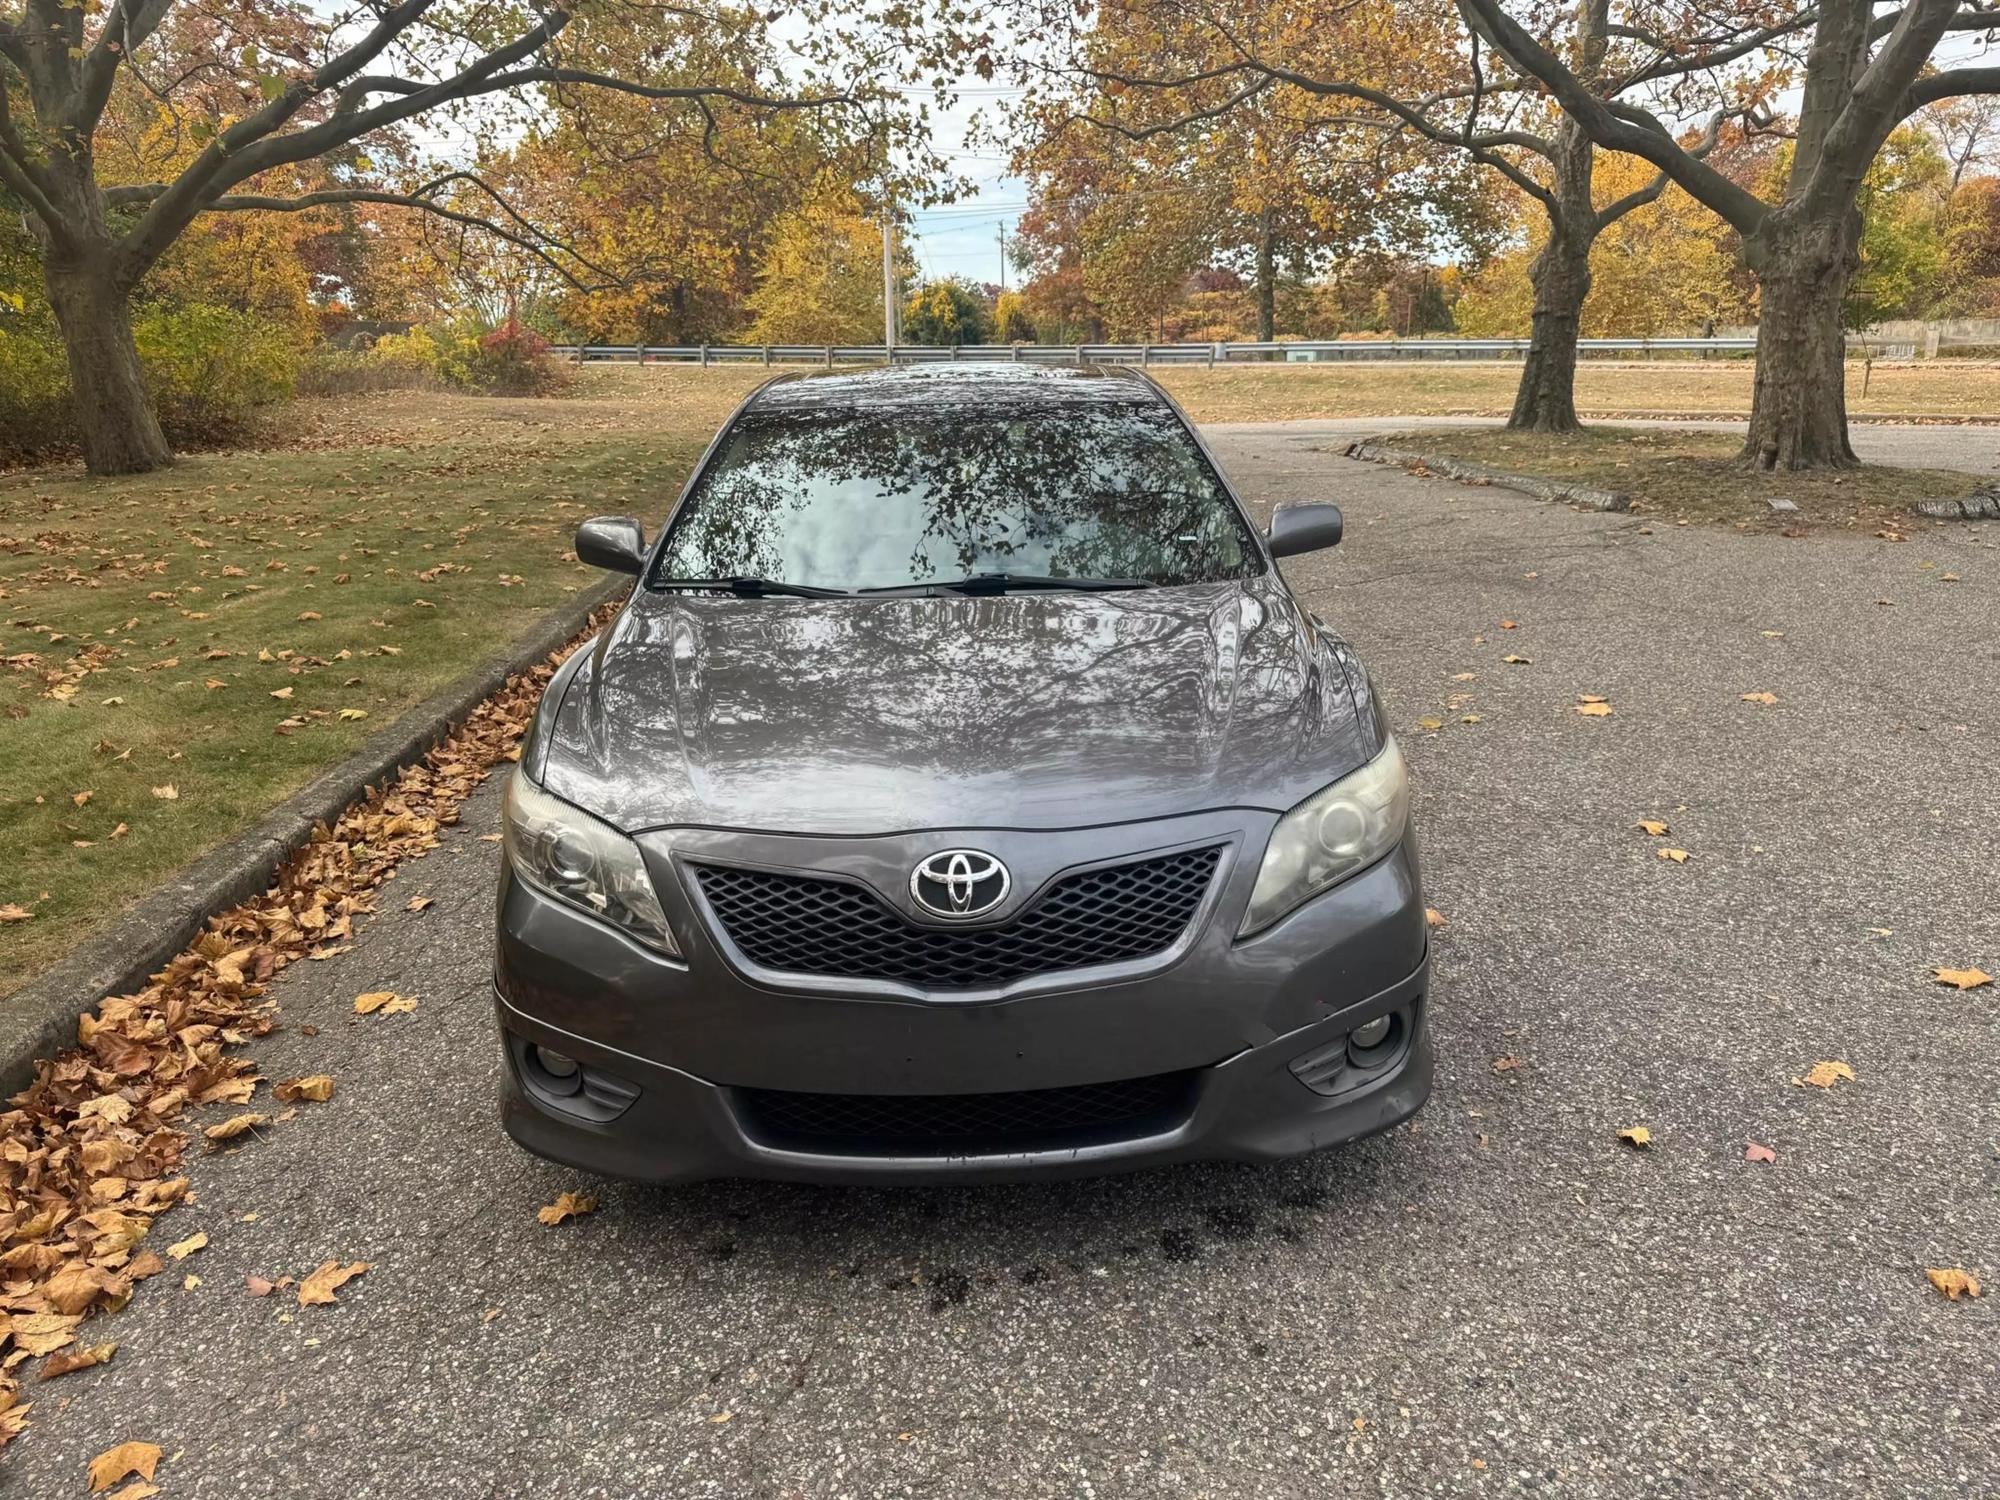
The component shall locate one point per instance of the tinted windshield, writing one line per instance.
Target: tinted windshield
(859, 499)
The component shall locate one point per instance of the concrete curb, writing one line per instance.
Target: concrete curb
(1469, 473)
(39, 1020)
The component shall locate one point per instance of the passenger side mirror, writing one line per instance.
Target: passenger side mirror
(1303, 528)
(617, 543)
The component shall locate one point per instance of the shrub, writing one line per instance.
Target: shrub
(509, 361)
(210, 368)
(34, 393)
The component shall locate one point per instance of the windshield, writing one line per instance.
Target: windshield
(872, 500)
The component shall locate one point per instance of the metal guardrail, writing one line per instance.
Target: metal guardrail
(1295, 352)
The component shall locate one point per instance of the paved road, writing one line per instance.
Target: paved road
(1975, 449)
(1500, 1299)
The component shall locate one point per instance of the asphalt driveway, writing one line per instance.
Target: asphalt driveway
(1502, 1298)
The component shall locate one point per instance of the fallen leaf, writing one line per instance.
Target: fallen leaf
(1652, 827)
(167, 793)
(118, 1463)
(567, 1206)
(1962, 979)
(138, 1489)
(1594, 710)
(1508, 1064)
(309, 614)
(1430, 723)
(1636, 1136)
(283, 692)
(1506, 624)
(418, 903)
(182, 1249)
(82, 797)
(1433, 917)
(234, 1126)
(388, 1002)
(1518, 661)
(353, 713)
(190, 1282)
(1678, 856)
(69, 1361)
(1954, 1283)
(1755, 1152)
(330, 1275)
(318, 1087)
(1758, 697)
(1825, 1075)
(12, 912)
(258, 1286)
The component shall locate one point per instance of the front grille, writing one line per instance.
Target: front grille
(804, 925)
(929, 1123)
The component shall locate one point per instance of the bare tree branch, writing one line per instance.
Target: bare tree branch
(1614, 127)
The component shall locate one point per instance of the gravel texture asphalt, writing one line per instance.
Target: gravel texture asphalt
(1501, 1298)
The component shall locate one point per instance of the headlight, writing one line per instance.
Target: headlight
(566, 853)
(1330, 836)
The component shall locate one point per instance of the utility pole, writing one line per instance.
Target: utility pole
(1003, 255)
(889, 281)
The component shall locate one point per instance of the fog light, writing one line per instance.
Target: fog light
(1372, 1033)
(556, 1065)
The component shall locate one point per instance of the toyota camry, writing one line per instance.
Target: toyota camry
(961, 794)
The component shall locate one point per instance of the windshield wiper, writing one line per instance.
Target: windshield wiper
(1000, 583)
(751, 588)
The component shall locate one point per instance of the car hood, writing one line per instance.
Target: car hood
(1026, 710)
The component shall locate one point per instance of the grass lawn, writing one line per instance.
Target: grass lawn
(1277, 393)
(180, 651)
(1695, 475)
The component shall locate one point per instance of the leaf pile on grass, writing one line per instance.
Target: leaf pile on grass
(91, 1152)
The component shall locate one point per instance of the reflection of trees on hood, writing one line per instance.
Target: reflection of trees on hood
(1097, 490)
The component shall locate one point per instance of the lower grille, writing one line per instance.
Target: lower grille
(805, 925)
(928, 1124)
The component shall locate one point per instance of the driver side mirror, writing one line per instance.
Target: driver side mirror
(616, 543)
(1303, 528)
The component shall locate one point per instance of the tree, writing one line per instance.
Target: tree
(1011, 322)
(300, 85)
(1404, 71)
(819, 280)
(1864, 74)
(949, 310)
(1150, 123)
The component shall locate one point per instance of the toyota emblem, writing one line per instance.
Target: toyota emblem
(959, 883)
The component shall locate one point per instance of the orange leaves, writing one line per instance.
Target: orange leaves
(567, 1206)
(1962, 979)
(1824, 1075)
(1756, 1151)
(1763, 698)
(328, 1277)
(1954, 1282)
(69, 1361)
(317, 1087)
(236, 1125)
(1593, 706)
(167, 793)
(388, 1002)
(123, 1462)
(1677, 856)
(1652, 828)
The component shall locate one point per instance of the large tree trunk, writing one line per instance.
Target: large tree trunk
(1546, 398)
(114, 412)
(1798, 412)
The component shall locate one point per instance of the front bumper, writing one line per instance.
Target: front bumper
(677, 1054)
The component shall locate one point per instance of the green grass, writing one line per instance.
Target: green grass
(145, 624)
(1695, 475)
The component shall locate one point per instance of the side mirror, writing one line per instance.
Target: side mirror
(616, 543)
(1303, 528)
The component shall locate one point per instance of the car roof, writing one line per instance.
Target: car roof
(990, 388)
